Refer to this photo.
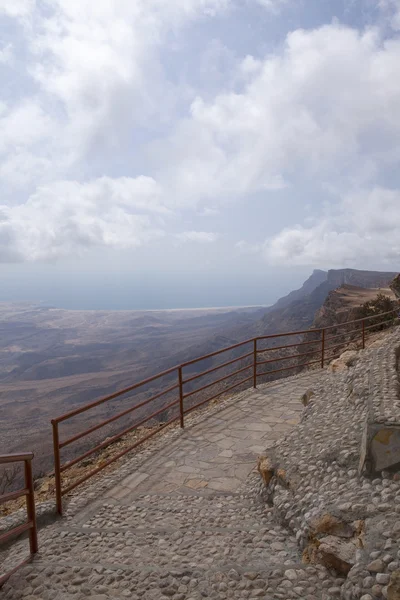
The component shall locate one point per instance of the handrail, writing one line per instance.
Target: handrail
(212, 354)
(12, 458)
(30, 525)
(78, 411)
(183, 394)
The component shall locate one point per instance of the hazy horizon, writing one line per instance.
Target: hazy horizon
(135, 294)
(167, 291)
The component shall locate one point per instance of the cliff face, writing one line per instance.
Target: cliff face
(343, 304)
(298, 309)
(362, 279)
(315, 279)
(395, 286)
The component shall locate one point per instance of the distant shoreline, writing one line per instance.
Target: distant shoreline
(44, 305)
(203, 308)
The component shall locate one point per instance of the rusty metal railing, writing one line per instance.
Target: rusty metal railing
(180, 379)
(28, 492)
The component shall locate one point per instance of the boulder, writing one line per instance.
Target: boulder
(330, 525)
(385, 448)
(265, 468)
(281, 476)
(306, 397)
(346, 360)
(334, 553)
(380, 447)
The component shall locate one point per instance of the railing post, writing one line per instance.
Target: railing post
(363, 334)
(181, 396)
(57, 467)
(255, 363)
(30, 507)
(323, 349)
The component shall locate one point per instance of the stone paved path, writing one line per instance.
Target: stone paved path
(185, 525)
(220, 452)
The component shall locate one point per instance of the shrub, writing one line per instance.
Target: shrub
(380, 304)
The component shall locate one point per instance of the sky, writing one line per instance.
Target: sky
(183, 153)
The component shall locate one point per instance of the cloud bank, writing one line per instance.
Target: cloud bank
(101, 145)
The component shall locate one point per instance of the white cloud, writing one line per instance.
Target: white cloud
(17, 8)
(24, 124)
(66, 217)
(95, 74)
(244, 247)
(94, 69)
(273, 6)
(327, 106)
(324, 107)
(208, 211)
(29, 147)
(201, 237)
(6, 54)
(365, 230)
(101, 61)
(391, 11)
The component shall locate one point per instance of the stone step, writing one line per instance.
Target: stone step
(178, 512)
(179, 582)
(190, 545)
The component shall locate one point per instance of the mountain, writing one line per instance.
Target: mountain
(343, 304)
(307, 288)
(363, 279)
(295, 311)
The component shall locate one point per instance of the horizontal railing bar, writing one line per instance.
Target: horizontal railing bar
(329, 358)
(389, 312)
(278, 335)
(172, 369)
(377, 325)
(115, 417)
(361, 319)
(229, 362)
(333, 348)
(116, 437)
(216, 381)
(13, 495)
(10, 458)
(216, 395)
(116, 457)
(314, 362)
(195, 360)
(7, 576)
(289, 346)
(264, 362)
(78, 411)
(16, 531)
(332, 337)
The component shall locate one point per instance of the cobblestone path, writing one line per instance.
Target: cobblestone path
(186, 524)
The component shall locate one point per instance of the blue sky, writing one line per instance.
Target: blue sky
(195, 152)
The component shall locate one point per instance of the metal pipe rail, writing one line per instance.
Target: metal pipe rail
(27, 491)
(180, 380)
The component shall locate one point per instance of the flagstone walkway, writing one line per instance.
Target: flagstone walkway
(218, 453)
